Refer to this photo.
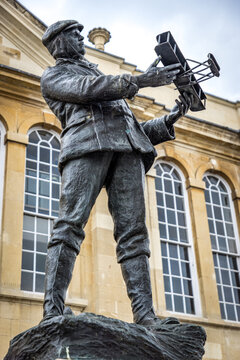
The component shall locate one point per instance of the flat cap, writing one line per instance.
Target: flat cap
(57, 27)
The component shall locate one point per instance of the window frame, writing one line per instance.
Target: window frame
(2, 167)
(36, 215)
(237, 238)
(189, 245)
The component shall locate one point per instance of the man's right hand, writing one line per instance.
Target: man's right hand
(158, 76)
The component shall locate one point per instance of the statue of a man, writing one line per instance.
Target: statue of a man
(102, 145)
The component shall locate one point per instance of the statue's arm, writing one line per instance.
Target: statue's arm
(64, 85)
(158, 131)
(161, 129)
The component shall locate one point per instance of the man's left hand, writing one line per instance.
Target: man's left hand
(182, 106)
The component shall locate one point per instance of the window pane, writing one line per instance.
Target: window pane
(232, 245)
(31, 185)
(28, 241)
(227, 215)
(165, 266)
(158, 183)
(230, 312)
(173, 251)
(44, 188)
(228, 294)
(28, 223)
(55, 155)
(183, 252)
(172, 233)
(174, 267)
(27, 260)
(225, 277)
(162, 230)
(187, 285)
(181, 219)
(167, 286)
(178, 302)
(168, 302)
(171, 217)
(33, 138)
(42, 242)
(40, 262)
(55, 205)
(164, 248)
(209, 211)
(42, 226)
(183, 235)
(26, 281)
(213, 241)
(159, 199)
(215, 198)
(44, 155)
(55, 174)
(169, 201)
(161, 214)
(30, 203)
(185, 269)
(55, 191)
(46, 136)
(178, 188)
(43, 206)
(179, 202)
(55, 143)
(32, 152)
(222, 243)
(44, 171)
(189, 305)
(177, 287)
(217, 212)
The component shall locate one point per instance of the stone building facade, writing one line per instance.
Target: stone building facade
(192, 202)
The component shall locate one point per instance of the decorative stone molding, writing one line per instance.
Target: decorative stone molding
(99, 37)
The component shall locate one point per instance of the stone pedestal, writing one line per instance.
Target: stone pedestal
(89, 336)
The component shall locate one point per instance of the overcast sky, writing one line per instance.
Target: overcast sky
(198, 26)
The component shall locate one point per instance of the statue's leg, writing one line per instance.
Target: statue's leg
(126, 204)
(82, 180)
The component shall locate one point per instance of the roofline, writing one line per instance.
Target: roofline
(27, 10)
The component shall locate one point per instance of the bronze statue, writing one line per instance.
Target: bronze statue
(102, 145)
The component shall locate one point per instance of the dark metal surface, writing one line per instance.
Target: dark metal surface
(188, 78)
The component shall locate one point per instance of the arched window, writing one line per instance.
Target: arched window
(42, 186)
(2, 165)
(225, 245)
(175, 234)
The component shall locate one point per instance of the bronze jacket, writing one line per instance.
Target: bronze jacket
(94, 114)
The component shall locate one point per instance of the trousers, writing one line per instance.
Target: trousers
(123, 176)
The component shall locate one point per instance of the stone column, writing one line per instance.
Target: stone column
(12, 223)
(203, 250)
(156, 257)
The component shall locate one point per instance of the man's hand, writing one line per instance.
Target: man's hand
(180, 109)
(158, 76)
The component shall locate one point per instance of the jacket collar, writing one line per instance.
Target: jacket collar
(80, 62)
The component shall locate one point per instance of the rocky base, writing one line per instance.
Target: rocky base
(90, 336)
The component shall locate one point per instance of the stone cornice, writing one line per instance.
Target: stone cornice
(25, 87)
(28, 40)
(20, 86)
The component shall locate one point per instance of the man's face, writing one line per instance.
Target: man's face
(75, 40)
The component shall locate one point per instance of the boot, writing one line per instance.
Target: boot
(136, 275)
(59, 267)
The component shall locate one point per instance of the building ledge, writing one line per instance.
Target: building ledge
(37, 298)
